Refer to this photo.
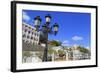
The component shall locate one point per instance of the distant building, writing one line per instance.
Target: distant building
(29, 35)
(56, 48)
(77, 55)
(71, 53)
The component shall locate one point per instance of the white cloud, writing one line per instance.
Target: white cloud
(25, 17)
(77, 38)
(58, 40)
(65, 43)
(87, 47)
(75, 45)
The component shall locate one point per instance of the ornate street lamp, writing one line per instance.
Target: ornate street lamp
(45, 29)
(37, 22)
(48, 19)
(55, 26)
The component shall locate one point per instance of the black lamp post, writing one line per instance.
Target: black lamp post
(46, 29)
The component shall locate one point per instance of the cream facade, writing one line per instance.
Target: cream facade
(29, 35)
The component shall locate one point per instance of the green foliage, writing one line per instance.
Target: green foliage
(51, 51)
(40, 55)
(60, 51)
(27, 53)
(55, 43)
(83, 49)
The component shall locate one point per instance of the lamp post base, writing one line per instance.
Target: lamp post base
(45, 56)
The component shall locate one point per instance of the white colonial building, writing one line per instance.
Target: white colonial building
(29, 35)
(77, 55)
(70, 53)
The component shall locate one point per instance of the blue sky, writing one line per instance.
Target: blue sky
(74, 28)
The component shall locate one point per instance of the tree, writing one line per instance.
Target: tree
(55, 43)
(27, 53)
(61, 52)
(39, 54)
(51, 51)
(83, 49)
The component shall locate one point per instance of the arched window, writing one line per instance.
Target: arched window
(27, 36)
(29, 32)
(25, 30)
(24, 35)
(32, 33)
(25, 25)
(31, 37)
(26, 41)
